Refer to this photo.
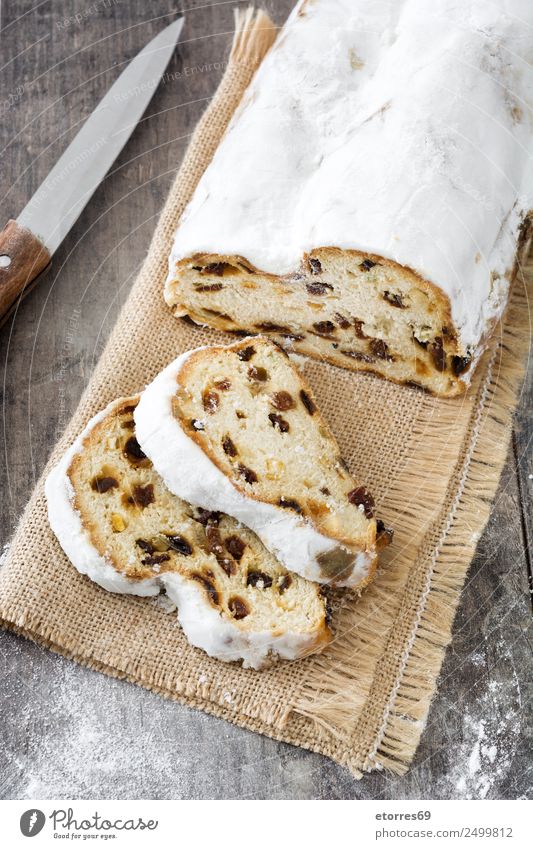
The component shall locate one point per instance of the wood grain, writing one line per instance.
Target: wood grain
(22, 259)
(68, 732)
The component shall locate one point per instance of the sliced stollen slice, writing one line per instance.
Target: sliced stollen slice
(119, 524)
(237, 429)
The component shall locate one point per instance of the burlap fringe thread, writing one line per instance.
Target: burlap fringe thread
(328, 699)
(341, 706)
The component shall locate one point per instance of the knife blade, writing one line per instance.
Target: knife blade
(28, 244)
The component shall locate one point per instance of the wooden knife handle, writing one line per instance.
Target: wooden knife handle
(22, 258)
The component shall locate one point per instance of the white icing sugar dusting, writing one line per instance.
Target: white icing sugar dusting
(491, 732)
(400, 129)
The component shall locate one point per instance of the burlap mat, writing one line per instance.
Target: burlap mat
(434, 466)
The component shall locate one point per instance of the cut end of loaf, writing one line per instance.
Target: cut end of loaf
(234, 598)
(354, 310)
(256, 420)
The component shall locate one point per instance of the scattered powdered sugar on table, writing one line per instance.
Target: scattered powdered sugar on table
(491, 732)
(3, 555)
(100, 736)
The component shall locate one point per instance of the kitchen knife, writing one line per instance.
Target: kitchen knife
(28, 244)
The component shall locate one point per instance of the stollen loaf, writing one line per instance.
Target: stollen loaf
(365, 204)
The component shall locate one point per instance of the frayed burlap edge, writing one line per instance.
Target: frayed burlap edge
(417, 642)
(377, 725)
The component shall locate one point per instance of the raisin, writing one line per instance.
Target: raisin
(229, 447)
(279, 422)
(361, 497)
(246, 354)
(283, 401)
(179, 544)
(209, 287)
(145, 545)
(324, 328)
(154, 559)
(359, 356)
(133, 450)
(258, 579)
(394, 300)
(380, 349)
(103, 484)
(240, 414)
(196, 424)
(214, 543)
(438, 354)
(248, 474)
(143, 495)
(210, 400)
(207, 517)
(290, 504)
(318, 288)
(216, 268)
(223, 385)
(208, 586)
(125, 410)
(358, 324)
(316, 265)
(258, 373)
(325, 491)
(308, 402)
(284, 584)
(384, 535)
(341, 320)
(367, 264)
(238, 607)
(214, 539)
(235, 545)
(270, 326)
(460, 364)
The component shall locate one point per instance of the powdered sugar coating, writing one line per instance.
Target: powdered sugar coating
(188, 472)
(401, 129)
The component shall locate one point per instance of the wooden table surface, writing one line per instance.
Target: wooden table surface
(69, 732)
